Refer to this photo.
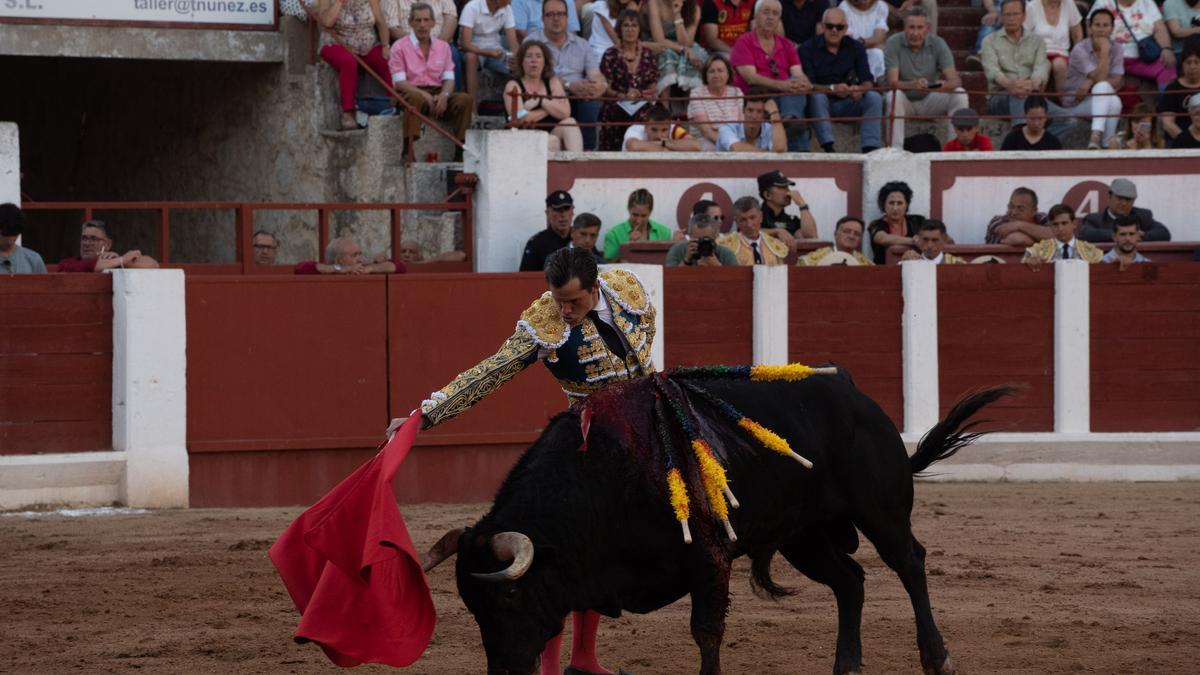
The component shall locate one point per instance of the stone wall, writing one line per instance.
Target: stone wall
(117, 129)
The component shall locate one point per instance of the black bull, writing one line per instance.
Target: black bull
(572, 530)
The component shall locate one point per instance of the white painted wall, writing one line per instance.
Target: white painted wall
(10, 164)
(919, 330)
(972, 201)
(510, 201)
(149, 386)
(770, 341)
(1072, 347)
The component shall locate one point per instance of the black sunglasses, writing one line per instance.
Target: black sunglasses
(835, 26)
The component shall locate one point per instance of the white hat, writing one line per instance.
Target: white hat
(1193, 102)
(838, 258)
(987, 259)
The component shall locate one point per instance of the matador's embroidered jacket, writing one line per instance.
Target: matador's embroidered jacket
(576, 355)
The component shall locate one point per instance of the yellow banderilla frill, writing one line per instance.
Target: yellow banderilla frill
(679, 502)
(771, 440)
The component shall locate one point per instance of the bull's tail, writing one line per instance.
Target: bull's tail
(952, 433)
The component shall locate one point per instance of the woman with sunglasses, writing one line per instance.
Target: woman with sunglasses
(764, 58)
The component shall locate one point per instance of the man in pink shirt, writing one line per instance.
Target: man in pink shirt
(764, 58)
(423, 71)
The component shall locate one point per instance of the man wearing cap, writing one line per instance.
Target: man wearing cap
(847, 240)
(14, 258)
(967, 136)
(917, 61)
(1121, 195)
(775, 190)
(560, 210)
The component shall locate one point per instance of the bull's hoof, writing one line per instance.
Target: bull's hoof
(946, 668)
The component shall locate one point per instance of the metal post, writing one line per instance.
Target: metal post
(164, 236)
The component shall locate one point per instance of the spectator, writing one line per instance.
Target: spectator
(838, 70)
(723, 22)
(714, 103)
(801, 18)
(529, 17)
(575, 64)
(710, 208)
(701, 247)
(760, 129)
(14, 258)
(1063, 245)
(897, 227)
(482, 22)
(632, 74)
(639, 227)
(746, 241)
(966, 133)
(266, 247)
(762, 58)
(847, 238)
(1094, 74)
(96, 253)
(898, 9)
(1059, 25)
(1022, 224)
(917, 61)
(1122, 193)
(657, 133)
(673, 36)
(775, 190)
(867, 23)
(560, 210)
(1014, 62)
(423, 71)
(585, 232)
(410, 254)
(343, 255)
(1126, 236)
(988, 23)
(1136, 21)
(445, 23)
(1032, 134)
(1183, 23)
(535, 98)
(1139, 131)
(931, 241)
(604, 34)
(362, 27)
(1174, 99)
(1189, 137)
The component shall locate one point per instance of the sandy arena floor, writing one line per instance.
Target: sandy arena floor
(1044, 578)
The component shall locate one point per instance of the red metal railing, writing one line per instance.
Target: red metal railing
(460, 200)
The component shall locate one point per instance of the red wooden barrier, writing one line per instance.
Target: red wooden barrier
(995, 325)
(55, 363)
(851, 316)
(1145, 348)
(708, 315)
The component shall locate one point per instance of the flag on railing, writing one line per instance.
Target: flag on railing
(352, 571)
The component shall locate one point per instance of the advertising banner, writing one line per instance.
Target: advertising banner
(250, 13)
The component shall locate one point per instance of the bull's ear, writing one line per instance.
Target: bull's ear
(546, 554)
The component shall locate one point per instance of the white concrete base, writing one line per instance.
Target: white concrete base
(1040, 457)
(75, 479)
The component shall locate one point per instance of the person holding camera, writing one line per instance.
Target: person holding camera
(700, 248)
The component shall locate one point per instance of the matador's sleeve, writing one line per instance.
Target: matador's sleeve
(471, 386)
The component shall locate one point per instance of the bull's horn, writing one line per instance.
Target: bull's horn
(510, 545)
(444, 548)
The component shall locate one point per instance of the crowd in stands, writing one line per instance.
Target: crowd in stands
(587, 72)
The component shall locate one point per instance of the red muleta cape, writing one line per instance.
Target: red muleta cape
(352, 571)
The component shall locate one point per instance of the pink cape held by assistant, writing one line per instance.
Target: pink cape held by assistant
(350, 567)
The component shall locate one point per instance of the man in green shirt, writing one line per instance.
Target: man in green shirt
(639, 227)
(1014, 61)
(702, 232)
(916, 62)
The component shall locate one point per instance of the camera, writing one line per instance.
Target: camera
(705, 247)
